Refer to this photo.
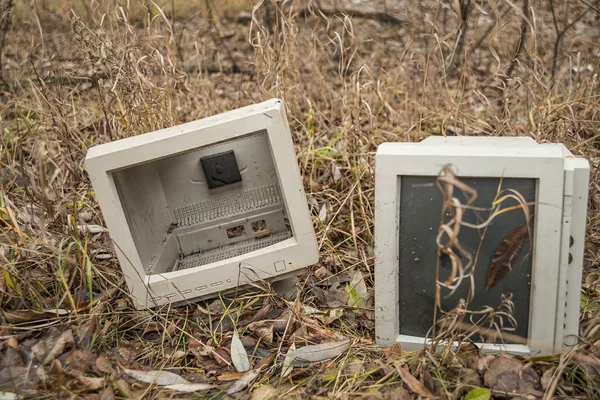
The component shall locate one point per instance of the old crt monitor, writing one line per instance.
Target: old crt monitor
(205, 206)
(544, 280)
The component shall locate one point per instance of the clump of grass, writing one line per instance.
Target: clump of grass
(108, 70)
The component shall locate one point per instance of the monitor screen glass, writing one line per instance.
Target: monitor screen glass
(420, 215)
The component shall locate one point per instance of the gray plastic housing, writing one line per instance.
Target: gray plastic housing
(205, 206)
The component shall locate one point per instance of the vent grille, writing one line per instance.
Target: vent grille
(232, 250)
(227, 205)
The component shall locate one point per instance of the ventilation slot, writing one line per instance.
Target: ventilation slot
(227, 205)
(229, 251)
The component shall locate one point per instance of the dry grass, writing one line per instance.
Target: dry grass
(80, 73)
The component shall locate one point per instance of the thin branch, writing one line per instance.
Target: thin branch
(596, 10)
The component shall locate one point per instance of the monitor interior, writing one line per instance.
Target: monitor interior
(204, 206)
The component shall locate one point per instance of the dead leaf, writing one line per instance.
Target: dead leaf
(244, 381)
(91, 383)
(285, 321)
(265, 392)
(199, 349)
(336, 171)
(398, 393)
(507, 382)
(178, 355)
(91, 228)
(331, 298)
(547, 377)
(529, 382)
(84, 335)
(393, 353)
(107, 394)
(263, 329)
(52, 345)
(321, 352)
(498, 366)
(413, 384)
(12, 342)
(484, 362)
(323, 213)
(161, 378)
(103, 365)
(357, 290)
(22, 378)
(22, 316)
(123, 387)
(221, 356)
(505, 254)
(190, 387)
(230, 376)
(322, 273)
(239, 357)
(288, 362)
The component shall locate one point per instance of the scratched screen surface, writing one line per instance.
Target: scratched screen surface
(420, 215)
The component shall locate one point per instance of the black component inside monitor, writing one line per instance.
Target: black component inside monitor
(420, 215)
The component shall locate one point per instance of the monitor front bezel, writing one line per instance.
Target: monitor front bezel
(544, 163)
(158, 289)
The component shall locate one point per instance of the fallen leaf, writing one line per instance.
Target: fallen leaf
(288, 362)
(107, 394)
(393, 353)
(103, 365)
(547, 377)
(322, 273)
(397, 393)
(90, 382)
(498, 366)
(84, 334)
(12, 342)
(505, 254)
(199, 349)
(123, 387)
(323, 213)
(320, 352)
(263, 329)
(332, 298)
(530, 382)
(336, 170)
(161, 378)
(221, 356)
(479, 394)
(91, 228)
(413, 384)
(11, 357)
(52, 345)
(22, 316)
(189, 387)
(244, 381)
(507, 382)
(239, 357)
(230, 376)
(265, 392)
(178, 355)
(22, 378)
(357, 290)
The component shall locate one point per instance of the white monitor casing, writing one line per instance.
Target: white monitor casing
(178, 236)
(562, 182)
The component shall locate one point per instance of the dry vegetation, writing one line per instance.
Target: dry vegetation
(77, 73)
